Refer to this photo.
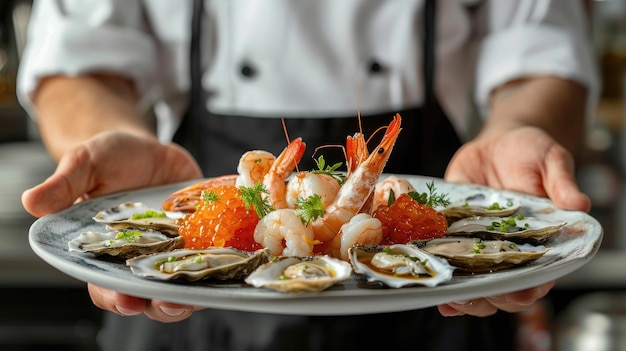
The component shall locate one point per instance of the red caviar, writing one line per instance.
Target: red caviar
(406, 220)
(221, 222)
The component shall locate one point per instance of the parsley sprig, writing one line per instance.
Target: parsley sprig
(322, 168)
(310, 209)
(253, 196)
(210, 196)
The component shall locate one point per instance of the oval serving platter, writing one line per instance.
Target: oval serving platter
(575, 244)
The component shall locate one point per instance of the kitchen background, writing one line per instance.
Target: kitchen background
(42, 309)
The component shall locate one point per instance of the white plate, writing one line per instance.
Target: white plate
(574, 246)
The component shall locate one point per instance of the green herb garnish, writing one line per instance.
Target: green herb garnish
(210, 196)
(322, 168)
(478, 246)
(147, 214)
(310, 209)
(392, 197)
(128, 235)
(430, 199)
(253, 196)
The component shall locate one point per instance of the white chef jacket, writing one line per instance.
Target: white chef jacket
(282, 58)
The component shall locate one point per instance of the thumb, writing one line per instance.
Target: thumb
(64, 187)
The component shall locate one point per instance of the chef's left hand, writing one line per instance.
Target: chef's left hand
(527, 160)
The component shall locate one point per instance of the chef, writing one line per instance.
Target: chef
(218, 75)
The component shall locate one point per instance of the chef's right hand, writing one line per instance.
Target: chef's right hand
(107, 163)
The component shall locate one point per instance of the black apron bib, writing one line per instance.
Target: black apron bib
(426, 143)
(425, 146)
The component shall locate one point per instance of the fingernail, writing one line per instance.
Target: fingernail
(126, 311)
(172, 311)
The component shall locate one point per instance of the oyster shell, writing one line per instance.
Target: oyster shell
(399, 265)
(297, 274)
(518, 229)
(124, 244)
(192, 265)
(481, 256)
(121, 217)
(481, 204)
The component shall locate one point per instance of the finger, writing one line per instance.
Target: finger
(520, 300)
(475, 307)
(168, 312)
(560, 183)
(68, 183)
(115, 302)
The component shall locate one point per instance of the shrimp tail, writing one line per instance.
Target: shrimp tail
(284, 165)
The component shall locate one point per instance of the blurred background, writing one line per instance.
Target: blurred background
(42, 309)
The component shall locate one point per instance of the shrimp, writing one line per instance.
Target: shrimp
(357, 188)
(362, 229)
(284, 165)
(393, 183)
(284, 234)
(253, 166)
(305, 184)
(188, 198)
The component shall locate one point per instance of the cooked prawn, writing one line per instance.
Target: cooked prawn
(393, 183)
(253, 166)
(358, 187)
(188, 198)
(362, 229)
(305, 184)
(284, 165)
(284, 234)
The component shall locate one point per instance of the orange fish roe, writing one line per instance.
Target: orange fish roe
(220, 223)
(406, 220)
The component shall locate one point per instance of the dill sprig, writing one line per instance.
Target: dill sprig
(430, 199)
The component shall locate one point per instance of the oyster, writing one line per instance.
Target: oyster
(481, 204)
(124, 244)
(192, 265)
(297, 274)
(480, 256)
(519, 229)
(399, 265)
(136, 215)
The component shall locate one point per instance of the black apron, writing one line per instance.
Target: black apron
(425, 146)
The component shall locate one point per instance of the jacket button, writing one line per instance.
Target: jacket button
(247, 70)
(375, 67)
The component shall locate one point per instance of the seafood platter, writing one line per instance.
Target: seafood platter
(274, 238)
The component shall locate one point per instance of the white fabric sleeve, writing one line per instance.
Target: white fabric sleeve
(75, 37)
(535, 37)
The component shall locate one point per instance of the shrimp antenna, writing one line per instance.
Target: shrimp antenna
(331, 145)
(358, 107)
(282, 120)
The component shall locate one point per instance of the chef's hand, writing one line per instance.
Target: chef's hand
(108, 163)
(526, 160)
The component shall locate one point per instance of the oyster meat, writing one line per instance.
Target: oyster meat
(192, 265)
(481, 256)
(399, 265)
(519, 229)
(124, 244)
(136, 215)
(493, 204)
(298, 274)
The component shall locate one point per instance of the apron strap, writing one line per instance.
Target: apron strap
(217, 141)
